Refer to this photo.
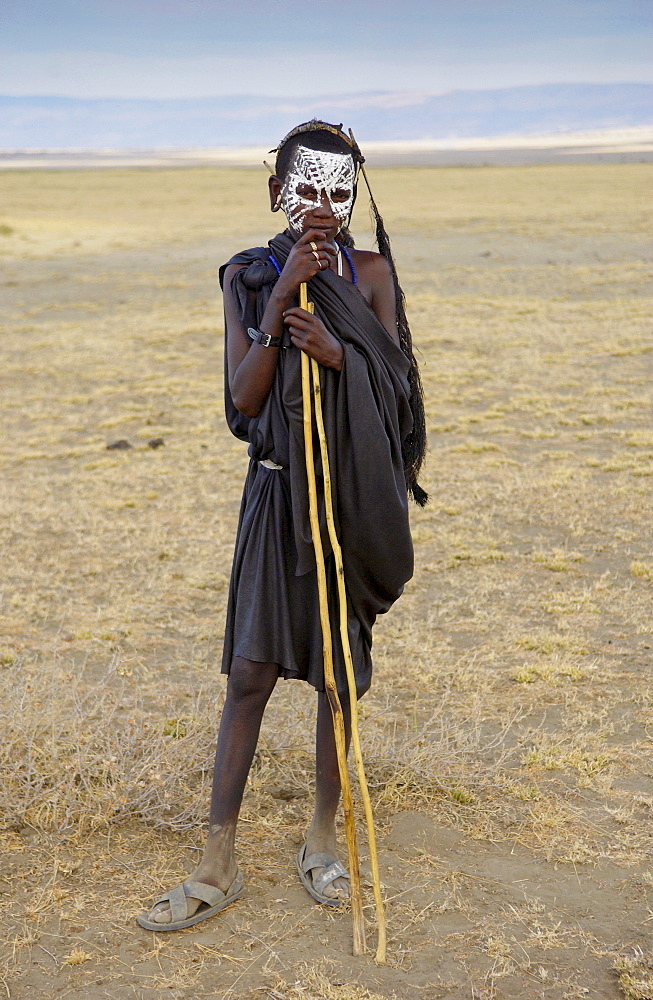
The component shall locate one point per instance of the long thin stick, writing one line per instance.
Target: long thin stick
(346, 648)
(329, 678)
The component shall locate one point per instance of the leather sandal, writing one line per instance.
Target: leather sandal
(332, 870)
(213, 900)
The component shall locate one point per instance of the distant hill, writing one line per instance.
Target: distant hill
(68, 123)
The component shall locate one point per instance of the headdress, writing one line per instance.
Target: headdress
(316, 125)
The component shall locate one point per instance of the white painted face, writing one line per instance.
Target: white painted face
(312, 173)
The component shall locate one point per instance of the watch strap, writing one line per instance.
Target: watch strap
(264, 339)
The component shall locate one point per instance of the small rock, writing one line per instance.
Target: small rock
(120, 445)
(155, 443)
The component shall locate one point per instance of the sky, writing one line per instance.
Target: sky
(299, 48)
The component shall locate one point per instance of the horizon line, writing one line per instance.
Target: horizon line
(634, 138)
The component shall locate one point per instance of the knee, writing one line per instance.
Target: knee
(252, 682)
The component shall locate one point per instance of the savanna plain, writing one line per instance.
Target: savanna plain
(507, 735)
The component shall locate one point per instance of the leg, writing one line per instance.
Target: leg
(321, 836)
(248, 690)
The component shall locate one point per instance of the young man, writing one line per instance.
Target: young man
(371, 398)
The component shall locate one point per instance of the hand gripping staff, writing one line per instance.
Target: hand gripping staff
(311, 374)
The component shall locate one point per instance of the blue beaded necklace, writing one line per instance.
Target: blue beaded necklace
(273, 260)
(354, 277)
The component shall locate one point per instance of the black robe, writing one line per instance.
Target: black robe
(273, 613)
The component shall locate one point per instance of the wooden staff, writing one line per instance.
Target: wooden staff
(329, 678)
(349, 665)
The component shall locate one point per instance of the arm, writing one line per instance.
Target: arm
(251, 367)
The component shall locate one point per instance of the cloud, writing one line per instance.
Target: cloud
(83, 73)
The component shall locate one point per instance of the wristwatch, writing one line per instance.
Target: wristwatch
(264, 339)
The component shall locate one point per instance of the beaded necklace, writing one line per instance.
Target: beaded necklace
(354, 276)
(273, 260)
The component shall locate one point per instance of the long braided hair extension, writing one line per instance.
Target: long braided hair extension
(328, 138)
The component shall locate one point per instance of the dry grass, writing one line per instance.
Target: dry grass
(507, 734)
(73, 764)
(635, 976)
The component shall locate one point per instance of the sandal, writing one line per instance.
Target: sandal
(213, 900)
(332, 870)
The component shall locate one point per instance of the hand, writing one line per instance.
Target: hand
(309, 333)
(304, 262)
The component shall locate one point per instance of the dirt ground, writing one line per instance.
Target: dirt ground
(508, 731)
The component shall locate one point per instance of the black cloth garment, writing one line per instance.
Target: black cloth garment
(273, 613)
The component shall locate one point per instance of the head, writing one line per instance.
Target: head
(315, 178)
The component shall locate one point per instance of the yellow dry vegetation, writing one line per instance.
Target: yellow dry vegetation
(507, 733)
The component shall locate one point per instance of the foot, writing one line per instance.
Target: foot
(324, 842)
(222, 878)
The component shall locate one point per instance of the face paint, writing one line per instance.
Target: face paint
(320, 172)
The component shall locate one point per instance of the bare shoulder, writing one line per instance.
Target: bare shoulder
(376, 284)
(371, 265)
